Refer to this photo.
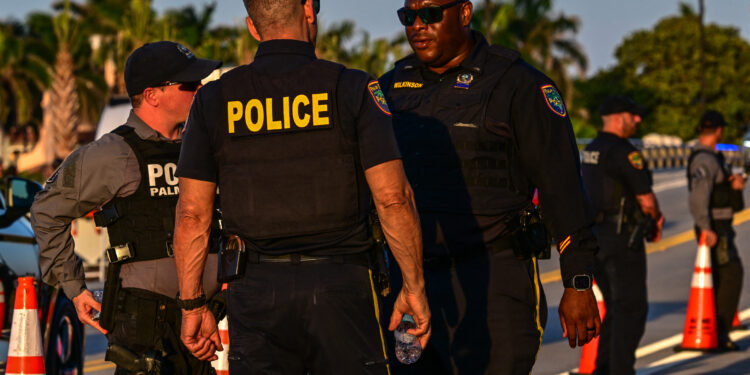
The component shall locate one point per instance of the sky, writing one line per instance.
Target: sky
(604, 22)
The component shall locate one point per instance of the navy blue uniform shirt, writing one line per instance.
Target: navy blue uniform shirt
(356, 106)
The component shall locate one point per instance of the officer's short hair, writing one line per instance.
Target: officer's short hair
(136, 100)
(269, 14)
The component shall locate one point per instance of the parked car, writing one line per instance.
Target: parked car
(62, 332)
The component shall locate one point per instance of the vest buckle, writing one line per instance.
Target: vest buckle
(119, 254)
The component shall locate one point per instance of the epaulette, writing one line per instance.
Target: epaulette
(406, 63)
(503, 52)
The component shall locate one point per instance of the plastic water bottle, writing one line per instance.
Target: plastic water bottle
(408, 348)
(98, 297)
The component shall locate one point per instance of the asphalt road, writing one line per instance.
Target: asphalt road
(670, 266)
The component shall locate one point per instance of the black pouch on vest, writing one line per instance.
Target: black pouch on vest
(232, 259)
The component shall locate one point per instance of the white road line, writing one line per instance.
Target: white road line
(671, 342)
(678, 358)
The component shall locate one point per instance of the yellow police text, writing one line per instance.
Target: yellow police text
(266, 115)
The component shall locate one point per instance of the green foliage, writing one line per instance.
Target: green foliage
(660, 68)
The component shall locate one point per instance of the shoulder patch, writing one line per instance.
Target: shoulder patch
(636, 160)
(554, 100)
(378, 97)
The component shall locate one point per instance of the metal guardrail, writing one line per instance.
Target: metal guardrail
(665, 157)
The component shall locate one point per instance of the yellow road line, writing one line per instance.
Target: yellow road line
(105, 366)
(663, 245)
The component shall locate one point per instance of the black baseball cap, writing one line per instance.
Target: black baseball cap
(156, 63)
(711, 119)
(620, 104)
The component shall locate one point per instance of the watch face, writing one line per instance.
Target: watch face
(581, 282)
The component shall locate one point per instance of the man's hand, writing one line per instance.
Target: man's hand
(86, 306)
(656, 235)
(414, 304)
(579, 316)
(200, 333)
(710, 236)
(737, 181)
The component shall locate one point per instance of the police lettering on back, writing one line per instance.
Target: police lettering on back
(161, 180)
(281, 114)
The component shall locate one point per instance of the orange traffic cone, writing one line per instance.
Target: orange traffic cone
(25, 354)
(221, 365)
(737, 324)
(700, 322)
(590, 350)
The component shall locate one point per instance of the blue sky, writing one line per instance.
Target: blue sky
(604, 22)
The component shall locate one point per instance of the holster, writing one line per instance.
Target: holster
(232, 259)
(529, 236)
(380, 261)
(111, 297)
(138, 364)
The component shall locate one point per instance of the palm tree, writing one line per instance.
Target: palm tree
(544, 39)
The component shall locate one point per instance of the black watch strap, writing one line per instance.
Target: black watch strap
(191, 304)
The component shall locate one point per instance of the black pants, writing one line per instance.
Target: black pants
(488, 315)
(313, 317)
(149, 324)
(621, 275)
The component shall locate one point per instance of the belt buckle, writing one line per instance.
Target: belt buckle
(120, 253)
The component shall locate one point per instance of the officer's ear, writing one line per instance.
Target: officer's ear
(465, 14)
(152, 96)
(251, 28)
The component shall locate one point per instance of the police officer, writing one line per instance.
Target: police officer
(619, 184)
(293, 143)
(128, 176)
(479, 129)
(715, 195)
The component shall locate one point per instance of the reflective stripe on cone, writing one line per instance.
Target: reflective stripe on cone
(25, 353)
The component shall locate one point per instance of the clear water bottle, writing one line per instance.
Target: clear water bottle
(408, 348)
(98, 297)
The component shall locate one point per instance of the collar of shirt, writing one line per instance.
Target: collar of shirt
(146, 132)
(283, 54)
(474, 61)
(701, 146)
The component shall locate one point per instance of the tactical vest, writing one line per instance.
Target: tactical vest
(456, 159)
(606, 191)
(722, 195)
(288, 166)
(145, 219)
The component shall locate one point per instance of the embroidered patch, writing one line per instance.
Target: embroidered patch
(377, 95)
(554, 100)
(185, 51)
(407, 85)
(564, 244)
(636, 160)
(463, 81)
(700, 173)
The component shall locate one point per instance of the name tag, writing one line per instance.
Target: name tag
(283, 114)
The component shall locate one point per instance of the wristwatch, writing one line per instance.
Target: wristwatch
(191, 304)
(580, 283)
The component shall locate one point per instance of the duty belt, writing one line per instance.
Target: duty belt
(361, 259)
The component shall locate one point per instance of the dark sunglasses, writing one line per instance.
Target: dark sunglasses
(316, 5)
(430, 14)
(184, 86)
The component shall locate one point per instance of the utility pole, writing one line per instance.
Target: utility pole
(702, 55)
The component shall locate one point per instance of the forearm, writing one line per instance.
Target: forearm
(57, 260)
(649, 205)
(394, 201)
(400, 223)
(191, 237)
